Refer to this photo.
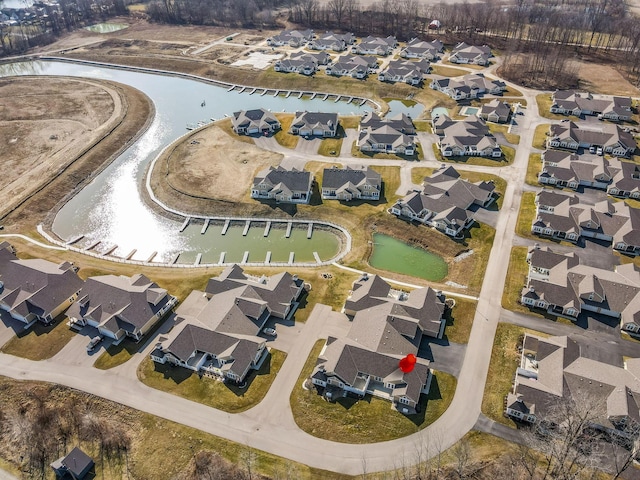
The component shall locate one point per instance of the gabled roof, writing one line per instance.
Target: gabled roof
(336, 178)
(315, 120)
(293, 180)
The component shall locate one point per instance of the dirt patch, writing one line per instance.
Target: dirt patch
(606, 79)
(209, 164)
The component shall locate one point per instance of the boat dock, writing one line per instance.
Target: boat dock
(317, 257)
(263, 92)
(222, 255)
(301, 93)
(338, 97)
(245, 257)
(266, 229)
(174, 259)
(267, 259)
(252, 91)
(226, 226)
(151, 257)
(291, 257)
(205, 226)
(111, 250)
(92, 246)
(310, 230)
(133, 252)
(198, 259)
(246, 228)
(242, 89)
(185, 224)
(289, 227)
(75, 240)
(289, 93)
(276, 93)
(231, 88)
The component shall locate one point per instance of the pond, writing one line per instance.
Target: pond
(408, 107)
(393, 255)
(106, 27)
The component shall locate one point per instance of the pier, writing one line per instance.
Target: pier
(252, 91)
(314, 95)
(185, 224)
(133, 252)
(245, 257)
(246, 228)
(317, 257)
(231, 88)
(267, 259)
(263, 92)
(198, 259)
(226, 226)
(222, 255)
(310, 230)
(289, 227)
(338, 97)
(111, 250)
(205, 226)
(242, 89)
(266, 229)
(291, 257)
(301, 93)
(174, 259)
(289, 94)
(75, 240)
(151, 257)
(276, 93)
(93, 245)
(326, 96)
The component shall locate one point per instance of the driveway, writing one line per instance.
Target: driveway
(348, 141)
(308, 147)
(75, 352)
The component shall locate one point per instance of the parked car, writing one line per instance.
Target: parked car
(94, 342)
(599, 151)
(270, 331)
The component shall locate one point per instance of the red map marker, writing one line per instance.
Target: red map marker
(407, 363)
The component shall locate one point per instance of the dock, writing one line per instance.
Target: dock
(151, 257)
(314, 95)
(221, 260)
(317, 257)
(301, 93)
(92, 246)
(291, 257)
(363, 102)
(310, 230)
(198, 259)
(252, 91)
(289, 94)
(267, 259)
(226, 226)
(246, 228)
(133, 252)
(111, 250)
(337, 98)
(231, 88)
(263, 92)
(276, 93)
(245, 257)
(242, 89)
(350, 100)
(266, 229)
(174, 259)
(75, 240)
(185, 224)
(326, 96)
(205, 226)
(289, 227)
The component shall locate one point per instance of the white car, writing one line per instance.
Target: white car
(94, 342)
(270, 331)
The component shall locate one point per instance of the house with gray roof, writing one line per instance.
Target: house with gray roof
(386, 139)
(375, 46)
(625, 182)
(332, 41)
(417, 48)
(120, 306)
(76, 465)
(254, 122)
(349, 183)
(314, 124)
(470, 54)
(356, 66)
(606, 107)
(473, 85)
(290, 65)
(495, 111)
(35, 289)
(468, 137)
(400, 122)
(292, 38)
(562, 286)
(282, 185)
(216, 332)
(569, 170)
(405, 71)
(555, 368)
(611, 138)
(387, 325)
(320, 58)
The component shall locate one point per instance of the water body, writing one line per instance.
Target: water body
(393, 255)
(110, 209)
(408, 107)
(106, 27)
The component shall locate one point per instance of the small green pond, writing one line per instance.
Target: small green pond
(395, 256)
(106, 27)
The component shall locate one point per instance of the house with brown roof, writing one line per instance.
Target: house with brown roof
(349, 183)
(216, 332)
(35, 289)
(464, 53)
(606, 107)
(314, 124)
(282, 185)
(387, 325)
(254, 122)
(120, 306)
(559, 368)
(611, 138)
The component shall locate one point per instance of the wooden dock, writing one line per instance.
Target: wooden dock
(267, 259)
(291, 257)
(174, 259)
(263, 92)
(289, 227)
(338, 97)
(276, 93)
(266, 229)
(246, 228)
(289, 94)
(133, 252)
(301, 93)
(185, 224)
(231, 88)
(310, 230)
(92, 246)
(111, 250)
(245, 257)
(75, 240)
(205, 226)
(242, 89)
(198, 259)
(221, 260)
(226, 226)
(317, 257)
(151, 257)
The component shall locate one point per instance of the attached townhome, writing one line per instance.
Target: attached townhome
(469, 86)
(120, 306)
(417, 48)
(254, 122)
(216, 332)
(626, 181)
(556, 369)
(468, 137)
(400, 122)
(564, 217)
(375, 46)
(560, 285)
(446, 202)
(569, 170)
(35, 290)
(315, 124)
(386, 139)
(303, 67)
(356, 66)
(611, 138)
(348, 184)
(465, 53)
(411, 73)
(282, 185)
(319, 58)
(606, 107)
(332, 41)
(495, 111)
(387, 325)
(291, 38)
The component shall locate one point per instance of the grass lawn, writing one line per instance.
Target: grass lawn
(512, 92)
(526, 215)
(540, 136)
(544, 107)
(447, 71)
(282, 136)
(226, 126)
(349, 420)
(117, 354)
(350, 121)
(422, 125)
(330, 147)
(460, 321)
(516, 280)
(419, 173)
(533, 169)
(503, 129)
(40, 342)
(208, 391)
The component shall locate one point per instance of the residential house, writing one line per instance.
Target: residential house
(355, 66)
(626, 181)
(469, 86)
(348, 184)
(465, 54)
(35, 289)
(375, 46)
(417, 48)
(292, 38)
(411, 73)
(561, 285)
(332, 41)
(319, 58)
(556, 368)
(573, 102)
(400, 122)
(120, 306)
(216, 332)
(470, 136)
(611, 138)
(387, 325)
(303, 67)
(75, 465)
(285, 186)
(447, 183)
(315, 124)
(495, 111)
(569, 170)
(253, 122)
(386, 139)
